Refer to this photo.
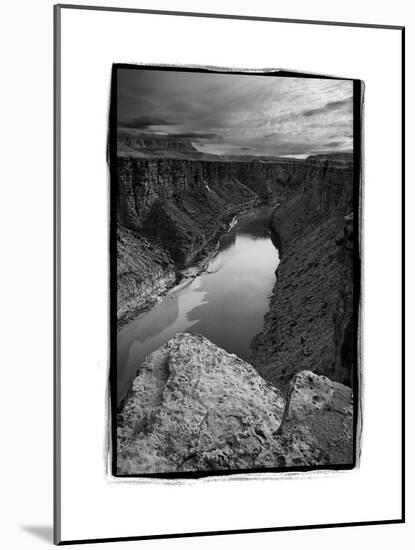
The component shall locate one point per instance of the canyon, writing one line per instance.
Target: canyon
(173, 206)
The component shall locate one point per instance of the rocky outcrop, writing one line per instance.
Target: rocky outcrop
(317, 426)
(194, 407)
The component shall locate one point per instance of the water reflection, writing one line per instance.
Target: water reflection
(226, 304)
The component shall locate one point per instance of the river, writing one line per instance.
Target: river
(226, 303)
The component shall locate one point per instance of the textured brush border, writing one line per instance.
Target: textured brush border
(358, 87)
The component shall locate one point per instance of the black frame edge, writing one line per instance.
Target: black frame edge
(56, 274)
(234, 532)
(403, 358)
(358, 102)
(230, 16)
(112, 161)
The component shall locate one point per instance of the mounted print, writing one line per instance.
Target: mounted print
(236, 270)
(228, 274)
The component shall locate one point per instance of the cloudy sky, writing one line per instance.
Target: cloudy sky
(238, 114)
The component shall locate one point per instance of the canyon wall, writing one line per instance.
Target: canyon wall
(172, 211)
(145, 271)
(310, 320)
(180, 208)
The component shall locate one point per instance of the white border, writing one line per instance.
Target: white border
(91, 41)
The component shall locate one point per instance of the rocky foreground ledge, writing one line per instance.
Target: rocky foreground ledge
(195, 407)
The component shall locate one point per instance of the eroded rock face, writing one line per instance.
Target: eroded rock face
(195, 407)
(309, 325)
(144, 273)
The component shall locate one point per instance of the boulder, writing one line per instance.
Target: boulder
(195, 407)
(317, 427)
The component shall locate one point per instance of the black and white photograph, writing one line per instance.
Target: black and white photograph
(235, 271)
(206, 248)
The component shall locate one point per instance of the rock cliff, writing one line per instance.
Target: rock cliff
(195, 407)
(309, 325)
(144, 273)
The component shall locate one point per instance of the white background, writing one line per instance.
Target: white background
(91, 42)
(27, 300)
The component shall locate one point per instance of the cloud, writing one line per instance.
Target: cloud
(334, 144)
(328, 107)
(194, 135)
(225, 113)
(143, 122)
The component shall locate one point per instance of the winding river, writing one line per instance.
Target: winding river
(226, 303)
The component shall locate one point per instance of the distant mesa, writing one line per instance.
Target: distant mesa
(153, 144)
(177, 147)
